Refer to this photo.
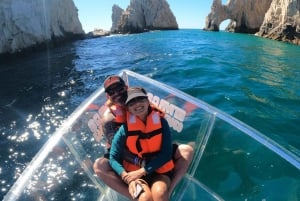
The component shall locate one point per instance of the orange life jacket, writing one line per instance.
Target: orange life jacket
(145, 140)
(118, 111)
(119, 114)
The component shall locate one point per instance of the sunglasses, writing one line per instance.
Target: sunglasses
(115, 90)
(136, 100)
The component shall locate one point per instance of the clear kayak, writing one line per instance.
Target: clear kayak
(232, 161)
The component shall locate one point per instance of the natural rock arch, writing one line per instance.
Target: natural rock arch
(246, 16)
(224, 24)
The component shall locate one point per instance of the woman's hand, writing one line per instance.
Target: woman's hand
(126, 177)
(137, 174)
(135, 188)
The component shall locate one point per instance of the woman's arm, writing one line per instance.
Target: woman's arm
(116, 151)
(166, 149)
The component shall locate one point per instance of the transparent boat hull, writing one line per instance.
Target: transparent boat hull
(232, 161)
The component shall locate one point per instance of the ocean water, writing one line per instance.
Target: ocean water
(253, 79)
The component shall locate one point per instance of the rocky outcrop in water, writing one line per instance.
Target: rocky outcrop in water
(116, 17)
(282, 21)
(97, 33)
(275, 19)
(30, 24)
(143, 15)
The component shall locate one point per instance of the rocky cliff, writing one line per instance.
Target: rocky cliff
(282, 21)
(116, 17)
(31, 23)
(275, 19)
(143, 15)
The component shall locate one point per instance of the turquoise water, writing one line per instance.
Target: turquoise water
(254, 79)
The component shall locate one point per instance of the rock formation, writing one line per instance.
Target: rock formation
(275, 19)
(116, 16)
(282, 21)
(28, 24)
(143, 15)
(97, 33)
(246, 16)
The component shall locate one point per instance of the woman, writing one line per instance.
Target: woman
(141, 150)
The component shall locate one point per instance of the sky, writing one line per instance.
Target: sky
(97, 13)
